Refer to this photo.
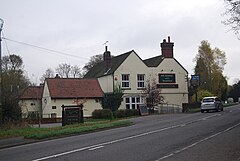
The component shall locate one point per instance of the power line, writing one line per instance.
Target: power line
(43, 48)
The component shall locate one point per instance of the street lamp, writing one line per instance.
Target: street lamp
(1, 115)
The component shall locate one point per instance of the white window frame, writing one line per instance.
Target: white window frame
(133, 102)
(125, 81)
(141, 81)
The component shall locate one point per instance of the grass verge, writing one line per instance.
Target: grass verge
(43, 133)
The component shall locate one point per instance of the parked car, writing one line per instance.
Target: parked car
(211, 103)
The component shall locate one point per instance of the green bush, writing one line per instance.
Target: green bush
(125, 113)
(201, 94)
(102, 114)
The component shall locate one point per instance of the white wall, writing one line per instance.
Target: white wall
(29, 105)
(133, 65)
(89, 106)
(106, 83)
(173, 95)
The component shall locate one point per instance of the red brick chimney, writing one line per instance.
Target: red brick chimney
(167, 48)
(107, 59)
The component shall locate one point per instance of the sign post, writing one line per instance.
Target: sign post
(195, 82)
(72, 114)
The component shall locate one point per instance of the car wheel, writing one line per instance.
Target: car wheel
(202, 111)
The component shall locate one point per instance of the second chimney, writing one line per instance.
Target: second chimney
(107, 59)
(167, 48)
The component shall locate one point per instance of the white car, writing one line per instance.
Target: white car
(211, 103)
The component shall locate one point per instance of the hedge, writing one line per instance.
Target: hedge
(102, 114)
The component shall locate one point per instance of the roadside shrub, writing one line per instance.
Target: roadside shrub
(125, 113)
(102, 114)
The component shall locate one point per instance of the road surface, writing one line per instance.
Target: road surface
(213, 136)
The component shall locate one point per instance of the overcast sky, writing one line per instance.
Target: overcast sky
(80, 27)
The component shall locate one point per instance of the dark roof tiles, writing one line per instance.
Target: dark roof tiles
(99, 69)
(154, 62)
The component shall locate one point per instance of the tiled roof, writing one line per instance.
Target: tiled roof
(99, 69)
(153, 62)
(32, 92)
(74, 88)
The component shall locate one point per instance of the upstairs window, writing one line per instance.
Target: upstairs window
(125, 81)
(140, 81)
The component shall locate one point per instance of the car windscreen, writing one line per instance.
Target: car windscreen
(208, 100)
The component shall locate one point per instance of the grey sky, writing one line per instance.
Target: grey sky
(80, 27)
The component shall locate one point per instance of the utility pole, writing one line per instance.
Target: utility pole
(1, 109)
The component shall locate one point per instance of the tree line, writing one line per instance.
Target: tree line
(66, 70)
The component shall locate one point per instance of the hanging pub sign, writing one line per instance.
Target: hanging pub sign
(72, 114)
(195, 80)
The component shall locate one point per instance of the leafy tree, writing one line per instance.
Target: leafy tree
(14, 82)
(93, 61)
(234, 91)
(233, 13)
(210, 65)
(113, 100)
(201, 93)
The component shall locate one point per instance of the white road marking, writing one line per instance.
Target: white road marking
(124, 139)
(98, 147)
(198, 142)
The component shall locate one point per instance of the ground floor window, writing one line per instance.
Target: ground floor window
(133, 102)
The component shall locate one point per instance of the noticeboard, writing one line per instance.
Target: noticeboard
(143, 110)
(72, 114)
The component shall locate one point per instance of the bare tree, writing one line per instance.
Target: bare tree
(49, 73)
(233, 13)
(64, 70)
(152, 94)
(76, 72)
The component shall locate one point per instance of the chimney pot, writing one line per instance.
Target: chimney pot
(106, 48)
(167, 48)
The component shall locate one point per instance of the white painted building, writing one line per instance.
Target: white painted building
(132, 73)
(70, 91)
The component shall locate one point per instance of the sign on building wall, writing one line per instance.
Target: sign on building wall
(167, 81)
(167, 78)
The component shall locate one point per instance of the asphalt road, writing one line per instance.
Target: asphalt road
(213, 136)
